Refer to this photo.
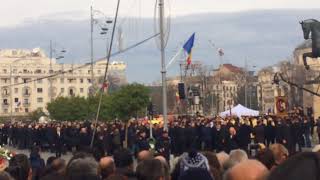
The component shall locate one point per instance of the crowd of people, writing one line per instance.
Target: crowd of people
(192, 148)
(269, 163)
(200, 133)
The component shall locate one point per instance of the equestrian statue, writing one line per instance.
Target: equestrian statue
(311, 26)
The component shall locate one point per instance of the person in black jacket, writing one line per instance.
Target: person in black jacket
(307, 128)
(191, 135)
(220, 135)
(181, 139)
(163, 145)
(297, 134)
(142, 142)
(259, 133)
(244, 134)
(287, 136)
(232, 140)
(58, 141)
(173, 133)
(37, 163)
(270, 132)
(206, 136)
(84, 140)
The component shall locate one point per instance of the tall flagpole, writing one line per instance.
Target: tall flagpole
(91, 46)
(163, 64)
(174, 58)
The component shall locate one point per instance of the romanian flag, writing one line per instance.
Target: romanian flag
(188, 48)
(177, 97)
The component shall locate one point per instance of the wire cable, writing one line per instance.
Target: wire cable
(105, 73)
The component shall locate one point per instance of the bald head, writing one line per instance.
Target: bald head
(107, 166)
(144, 155)
(161, 159)
(280, 153)
(222, 158)
(247, 170)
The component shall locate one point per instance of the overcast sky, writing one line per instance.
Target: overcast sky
(13, 12)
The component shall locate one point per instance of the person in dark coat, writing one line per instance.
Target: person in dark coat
(29, 137)
(221, 133)
(307, 127)
(50, 132)
(270, 132)
(173, 133)
(297, 134)
(244, 134)
(318, 128)
(259, 133)
(142, 142)
(278, 131)
(232, 140)
(116, 140)
(163, 145)
(287, 136)
(67, 132)
(181, 139)
(84, 140)
(191, 135)
(37, 163)
(5, 134)
(107, 141)
(206, 136)
(58, 142)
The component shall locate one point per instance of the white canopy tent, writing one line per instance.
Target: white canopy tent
(239, 111)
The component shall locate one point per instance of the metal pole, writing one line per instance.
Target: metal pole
(163, 64)
(220, 86)
(11, 101)
(245, 85)
(211, 103)
(50, 72)
(250, 99)
(91, 46)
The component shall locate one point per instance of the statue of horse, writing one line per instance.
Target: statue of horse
(311, 26)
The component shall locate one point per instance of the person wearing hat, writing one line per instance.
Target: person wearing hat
(163, 145)
(193, 160)
(142, 142)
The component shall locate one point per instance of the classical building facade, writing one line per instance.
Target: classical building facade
(266, 90)
(25, 85)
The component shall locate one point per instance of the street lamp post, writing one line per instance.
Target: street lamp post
(163, 64)
(59, 56)
(103, 32)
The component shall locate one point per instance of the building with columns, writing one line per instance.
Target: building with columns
(25, 86)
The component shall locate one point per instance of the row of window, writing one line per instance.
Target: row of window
(26, 110)
(18, 103)
(39, 71)
(39, 90)
(227, 88)
(39, 81)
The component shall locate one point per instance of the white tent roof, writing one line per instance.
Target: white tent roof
(239, 111)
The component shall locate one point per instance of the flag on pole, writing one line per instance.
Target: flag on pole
(18, 104)
(188, 48)
(104, 86)
(177, 97)
(221, 52)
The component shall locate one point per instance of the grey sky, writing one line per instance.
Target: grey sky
(13, 12)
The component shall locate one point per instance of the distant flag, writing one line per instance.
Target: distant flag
(177, 97)
(104, 86)
(18, 104)
(221, 52)
(188, 48)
